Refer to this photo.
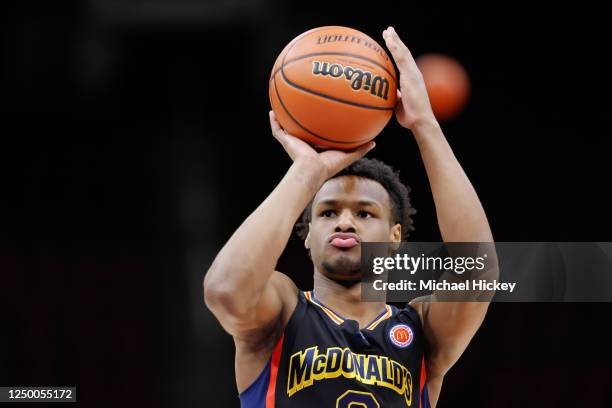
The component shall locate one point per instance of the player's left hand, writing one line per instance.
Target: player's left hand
(413, 105)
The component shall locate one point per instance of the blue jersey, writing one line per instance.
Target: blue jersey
(324, 360)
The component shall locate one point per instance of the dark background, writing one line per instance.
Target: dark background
(135, 140)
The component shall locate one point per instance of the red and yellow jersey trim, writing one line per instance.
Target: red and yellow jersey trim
(339, 319)
(387, 314)
(335, 318)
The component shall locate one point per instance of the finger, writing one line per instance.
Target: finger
(277, 131)
(391, 36)
(358, 153)
(401, 54)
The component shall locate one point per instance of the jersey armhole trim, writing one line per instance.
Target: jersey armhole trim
(255, 394)
(423, 395)
(261, 393)
(275, 362)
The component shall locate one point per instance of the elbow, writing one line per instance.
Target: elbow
(213, 290)
(217, 298)
(221, 296)
(210, 292)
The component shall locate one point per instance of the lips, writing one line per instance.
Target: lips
(344, 240)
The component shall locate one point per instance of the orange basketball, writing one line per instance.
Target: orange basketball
(447, 83)
(334, 87)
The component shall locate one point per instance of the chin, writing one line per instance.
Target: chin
(343, 268)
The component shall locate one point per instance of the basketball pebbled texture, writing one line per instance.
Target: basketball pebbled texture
(334, 87)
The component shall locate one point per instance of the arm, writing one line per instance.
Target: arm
(241, 287)
(449, 326)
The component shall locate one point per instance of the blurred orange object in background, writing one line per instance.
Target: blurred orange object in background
(448, 84)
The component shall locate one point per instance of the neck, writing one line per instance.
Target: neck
(345, 300)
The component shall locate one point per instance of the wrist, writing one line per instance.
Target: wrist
(310, 172)
(425, 128)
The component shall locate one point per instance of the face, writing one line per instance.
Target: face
(347, 211)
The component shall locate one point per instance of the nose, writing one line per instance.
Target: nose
(345, 222)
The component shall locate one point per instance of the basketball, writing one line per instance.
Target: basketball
(334, 87)
(447, 83)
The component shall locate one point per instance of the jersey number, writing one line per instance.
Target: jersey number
(354, 399)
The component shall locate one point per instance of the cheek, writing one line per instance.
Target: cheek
(319, 231)
(320, 240)
(379, 230)
(314, 238)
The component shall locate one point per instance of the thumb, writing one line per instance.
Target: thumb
(358, 153)
(336, 160)
(399, 109)
(399, 103)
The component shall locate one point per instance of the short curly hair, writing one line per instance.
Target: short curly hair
(373, 169)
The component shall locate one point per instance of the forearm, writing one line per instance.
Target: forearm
(461, 217)
(244, 265)
(451, 325)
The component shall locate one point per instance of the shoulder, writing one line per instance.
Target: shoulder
(409, 314)
(420, 305)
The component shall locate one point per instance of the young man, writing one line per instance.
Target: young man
(326, 348)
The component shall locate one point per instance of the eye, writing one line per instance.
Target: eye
(328, 213)
(364, 214)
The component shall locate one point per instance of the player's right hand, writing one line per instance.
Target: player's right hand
(328, 162)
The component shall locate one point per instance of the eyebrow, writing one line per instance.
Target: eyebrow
(363, 203)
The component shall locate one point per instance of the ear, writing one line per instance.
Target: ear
(307, 240)
(396, 233)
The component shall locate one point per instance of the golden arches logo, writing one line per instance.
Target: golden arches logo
(401, 335)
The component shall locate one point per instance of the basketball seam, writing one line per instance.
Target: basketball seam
(305, 128)
(311, 31)
(289, 113)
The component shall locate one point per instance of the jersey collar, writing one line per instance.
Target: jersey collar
(338, 319)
